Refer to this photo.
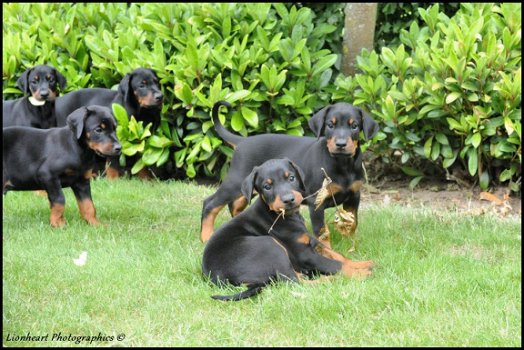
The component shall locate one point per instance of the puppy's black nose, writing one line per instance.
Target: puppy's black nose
(340, 143)
(288, 198)
(117, 148)
(44, 93)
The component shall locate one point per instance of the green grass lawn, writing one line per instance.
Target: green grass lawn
(441, 279)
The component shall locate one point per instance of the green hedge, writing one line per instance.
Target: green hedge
(449, 95)
(393, 17)
(269, 60)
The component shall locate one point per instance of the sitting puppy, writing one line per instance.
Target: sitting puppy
(35, 159)
(139, 93)
(269, 240)
(37, 109)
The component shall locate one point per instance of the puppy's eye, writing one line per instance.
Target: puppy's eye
(291, 178)
(98, 130)
(330, 125)
(266, 187)
(354, 126)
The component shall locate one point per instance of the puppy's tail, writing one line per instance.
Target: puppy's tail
(227, 136)
(252, 290)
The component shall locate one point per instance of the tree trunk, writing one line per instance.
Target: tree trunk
(359, 30)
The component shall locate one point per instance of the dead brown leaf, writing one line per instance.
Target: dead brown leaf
(491, 197)
(344, 221)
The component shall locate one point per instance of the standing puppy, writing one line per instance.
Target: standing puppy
(35, 159)
(37, 109)
(334, 149)
(139, 93)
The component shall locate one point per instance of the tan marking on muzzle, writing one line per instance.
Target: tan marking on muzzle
(351, 146)
(50, 97)
(331, 145)
(103, 148)
(147, 100)
(298, 197)
(277, 204)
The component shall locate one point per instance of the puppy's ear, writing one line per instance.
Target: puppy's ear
(370, 126)
(62, 81)
(299, 174)
(23, 82)
(249, 184)
(125, 86)
(317, 121)
(76, 120)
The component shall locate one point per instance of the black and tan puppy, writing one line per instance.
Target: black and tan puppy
(139, 93)
(335, 149)
(41, 86)
(258, 246)
(36, 159)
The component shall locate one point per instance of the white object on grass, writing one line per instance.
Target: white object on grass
(81, 261)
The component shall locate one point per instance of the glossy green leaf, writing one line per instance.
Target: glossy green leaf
(139, 165)
(427, 147)
(484, 180)
(151, 155)
(411, 171)
(414, 182)
(237, 122)
(476, 139)
(472, 161)
(250, 116)
(452, 97)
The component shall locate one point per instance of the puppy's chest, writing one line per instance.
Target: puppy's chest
(71, 175)
(337, 192)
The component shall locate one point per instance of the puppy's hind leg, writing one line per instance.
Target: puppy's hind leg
(213, 205)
